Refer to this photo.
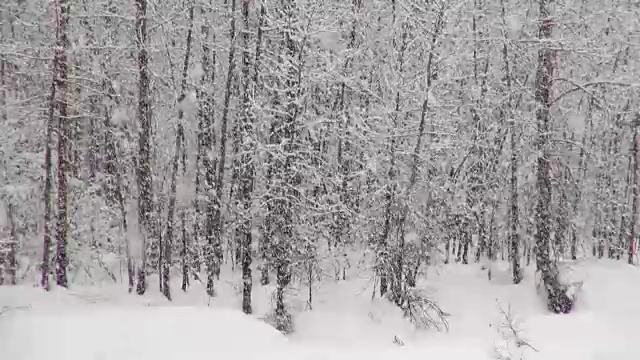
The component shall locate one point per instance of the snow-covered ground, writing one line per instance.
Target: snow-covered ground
(106, 323)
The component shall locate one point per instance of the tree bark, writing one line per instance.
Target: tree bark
(385, 262)
(219, 184)
(61, 82)
(168, 239)
(246, 169)
(286, 176)
(636, 194)
(48, 184)
(558, 301)
(514, 221)
(11, 257)
(184, 254)
(207, 142)
(144, 174)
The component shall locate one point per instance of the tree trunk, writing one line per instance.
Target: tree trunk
(636, 194)
(246, 168)
(144, 174)
(63, 143)
(514, 221)
(514, 237)
(48, 186)
(114, 170)
(385, 258)
(286, 177)
(207, 137)
(168, 239)
(11, 256)
(264, 243)
(184, 254)
(217, 215)
(558, 301)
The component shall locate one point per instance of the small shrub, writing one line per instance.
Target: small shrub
(423, 312)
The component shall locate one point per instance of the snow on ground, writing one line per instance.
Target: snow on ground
(105, 323)
(119, 333)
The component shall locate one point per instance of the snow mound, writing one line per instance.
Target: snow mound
(107, 323)
(140, 333)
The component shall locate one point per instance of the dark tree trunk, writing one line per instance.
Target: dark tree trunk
(245, 167)
(184, 254)
(3, 87)
(514, 237)
(48, 186)
(636, 194)
(144, 174)
(222, 153)
(63, 143)
(558, 301)
(385, 258)
(286, 176)
(207, 137)
(168, 239)
(264, 273)
(514, 221)
(11, 256)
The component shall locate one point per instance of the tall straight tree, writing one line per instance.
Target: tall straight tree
(514, 222)
(168, 239)
(219, 184)
(48, 183)
(558, 301)
(144, 174)
(61, 84)
(286, 177)
(206, 174)
(246, 166)
(636, 192)
(11, 260)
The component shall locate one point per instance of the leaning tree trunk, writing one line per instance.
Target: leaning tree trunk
(144, 176)
(558, 301)
(403, 274)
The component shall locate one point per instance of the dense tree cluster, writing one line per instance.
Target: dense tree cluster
(181, 135)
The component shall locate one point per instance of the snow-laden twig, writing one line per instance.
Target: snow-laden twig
(424, 312)
(513, 344)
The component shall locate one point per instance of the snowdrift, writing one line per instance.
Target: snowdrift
(141, 333)
(106, 323)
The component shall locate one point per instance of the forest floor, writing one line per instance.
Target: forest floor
(106, 323)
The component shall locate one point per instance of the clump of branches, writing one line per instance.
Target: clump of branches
(423, 312)
(561, 296)
(282, 321)
(512, 344)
